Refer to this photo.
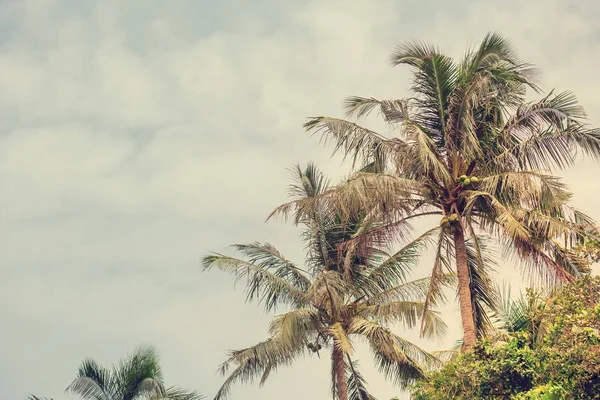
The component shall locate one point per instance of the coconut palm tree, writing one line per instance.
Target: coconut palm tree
(468, 148)
(335, 299)
(137, 377)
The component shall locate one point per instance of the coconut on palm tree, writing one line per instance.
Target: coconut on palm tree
(467, 147)
(335, 299)
(137, 377)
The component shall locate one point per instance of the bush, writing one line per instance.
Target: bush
(561, 363)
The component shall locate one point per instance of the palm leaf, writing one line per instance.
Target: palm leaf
(261, 284)
(93, 382)
(397, 358)
(415, 290)
(351, 139)
(139, 374)
(267, 256)
(357, 385)
(258, 360)
(407, 313)
(393, 270)
(340, 338)
(393, 111)
(438, 278)
(413, 53)
(377, 334)
(174, 393)
(294, 325)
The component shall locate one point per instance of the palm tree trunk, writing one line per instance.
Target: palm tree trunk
(340, 373)
(464, 289)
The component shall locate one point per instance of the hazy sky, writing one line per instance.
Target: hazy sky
(136, 136)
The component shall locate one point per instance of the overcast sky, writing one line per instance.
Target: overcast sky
(136, 136)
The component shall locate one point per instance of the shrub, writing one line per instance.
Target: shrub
(563, 363)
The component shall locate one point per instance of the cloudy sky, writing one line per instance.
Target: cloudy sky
(136, 136)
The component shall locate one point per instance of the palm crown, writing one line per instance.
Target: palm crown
(137, 377)
(470, 149)
(335, 299)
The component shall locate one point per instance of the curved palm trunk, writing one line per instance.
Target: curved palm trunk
(464, 289)
(340, 373)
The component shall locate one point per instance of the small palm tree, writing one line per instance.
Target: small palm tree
(337, 298)
(470, 149)
(137, 377)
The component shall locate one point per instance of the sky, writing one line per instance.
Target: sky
(137, 136)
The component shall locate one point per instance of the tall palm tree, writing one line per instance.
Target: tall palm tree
(137, 377)
(469, 148)
(336, 298)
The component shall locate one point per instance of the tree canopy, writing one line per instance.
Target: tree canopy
(467, 146)
(552, 353)
(338, 297)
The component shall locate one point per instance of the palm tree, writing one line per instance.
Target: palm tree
(471, 150)
(136, 377)
(336, 298)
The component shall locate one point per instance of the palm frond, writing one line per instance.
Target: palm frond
(393, 111)
(259, 360)
(568, 260)
(393, 270)
(175, 393)
(500, 215)
(512, 313)
(426, 153)
(492, 50)
(139, 374)
(526, 189)
(340, 337)
(438, 278)
(93, 382)
(261, 284)
(357, 385)
(382, 192)
(521, 314)
(375, 193)
(295, 324)
(399, 359)
(330, 288)
(547, 134)
(352, 140)
(408, 313)
(447, 355)
(415, 290)
(308, 182)
(534, 261)
(413, 53)
(267, 256)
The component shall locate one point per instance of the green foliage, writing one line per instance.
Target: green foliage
(490, 370)
(136, 377)
(563, 364)
(589, 251)
(543, 392)
(571, 348)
